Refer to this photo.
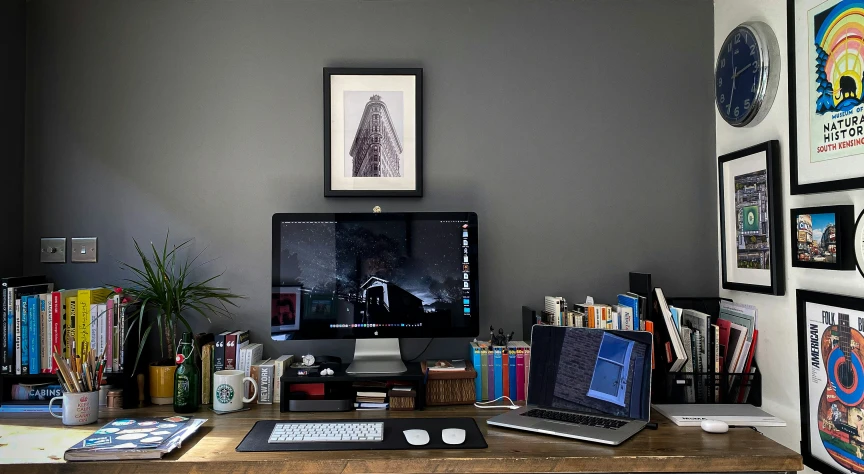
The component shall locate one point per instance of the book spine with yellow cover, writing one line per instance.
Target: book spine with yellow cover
(82, 330)
(71, 329)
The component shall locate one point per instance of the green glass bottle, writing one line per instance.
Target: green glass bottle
(187, 380)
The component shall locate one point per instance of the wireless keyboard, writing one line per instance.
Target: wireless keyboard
(326, 432)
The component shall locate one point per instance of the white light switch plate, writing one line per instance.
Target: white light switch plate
(83, 249)
(53, 250)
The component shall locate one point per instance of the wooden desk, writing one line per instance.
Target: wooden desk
(40, 439)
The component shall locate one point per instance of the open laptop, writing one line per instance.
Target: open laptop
(587, 384)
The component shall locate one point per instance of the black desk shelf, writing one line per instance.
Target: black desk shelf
(339, 385)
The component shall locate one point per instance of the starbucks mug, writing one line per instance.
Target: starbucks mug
(78, 408)
(228, 390)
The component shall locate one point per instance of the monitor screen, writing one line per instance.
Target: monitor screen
(591, 371)
(374, 275)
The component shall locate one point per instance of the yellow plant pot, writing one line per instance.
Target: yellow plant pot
(162, 384)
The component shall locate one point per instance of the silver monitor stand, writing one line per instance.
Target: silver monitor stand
(377, 356)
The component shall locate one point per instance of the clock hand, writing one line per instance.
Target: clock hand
(736, 74)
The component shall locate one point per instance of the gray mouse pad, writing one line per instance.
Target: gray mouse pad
(256, 439)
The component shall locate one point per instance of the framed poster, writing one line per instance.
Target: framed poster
(822, 237)
(830, 378)
(750, 232)
(373, 132)
(826, 113)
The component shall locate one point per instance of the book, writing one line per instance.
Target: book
(266, 382)
(679, 356)
(26, 327)
(498, 377)
(505, 373)
(740, 314)
(207, 372)
(56, 328)
(7, 317)
(252, 354)
(556, 306)
(280, 364)
(520, 372)
(70, 302)
(34, 320)
(44, 334)
(748, 368)
(724, 328)
(527, 350)
(700, 322)
(511, 349)
(109, 332)
(86, 317)
(484, 371)
(233, 343)
(490, 373)
(689, 392)
(102, 446)
(476, 352)
(219, 351)
(697, 343)
(444, 365)
(737, 337)
(632, 302)
(20, 350)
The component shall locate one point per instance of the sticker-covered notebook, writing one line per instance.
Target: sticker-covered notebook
(138, 438)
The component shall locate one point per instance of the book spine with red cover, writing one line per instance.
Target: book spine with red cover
(231, 352)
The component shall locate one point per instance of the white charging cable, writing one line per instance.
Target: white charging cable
(511, 406)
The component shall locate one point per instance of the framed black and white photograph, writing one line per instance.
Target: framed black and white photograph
(751, 237)
(831, 381)
(822, 237)
(826, 95)
(373, 132)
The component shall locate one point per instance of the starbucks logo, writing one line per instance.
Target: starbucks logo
(224, 393)
(751, 218)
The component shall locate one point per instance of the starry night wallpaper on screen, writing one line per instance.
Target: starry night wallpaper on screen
(376, 273)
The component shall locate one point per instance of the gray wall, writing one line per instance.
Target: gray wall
(12, 80)
(581, 132)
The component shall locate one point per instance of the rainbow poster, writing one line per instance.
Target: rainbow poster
(836, 34)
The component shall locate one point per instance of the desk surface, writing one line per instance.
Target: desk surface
(38, 438)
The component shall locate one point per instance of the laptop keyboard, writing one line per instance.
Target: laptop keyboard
(585, 420)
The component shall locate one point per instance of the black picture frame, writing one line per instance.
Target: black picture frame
(417, 73)
(812, 364)
(844, 229)
(795, 187)
(775, 221)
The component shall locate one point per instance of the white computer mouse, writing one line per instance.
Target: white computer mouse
(714, 426)
(453, 435)
(416, 437)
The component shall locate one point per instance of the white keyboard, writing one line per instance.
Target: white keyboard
(326, 432)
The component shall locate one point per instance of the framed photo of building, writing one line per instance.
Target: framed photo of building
(831, 379)
(750, 233)
(822, 237)
(826, 95)
(373, 132)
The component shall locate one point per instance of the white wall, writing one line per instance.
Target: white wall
(777, 347)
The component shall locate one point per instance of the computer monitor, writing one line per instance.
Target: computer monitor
(375, 278)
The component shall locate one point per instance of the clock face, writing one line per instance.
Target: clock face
(738, 76)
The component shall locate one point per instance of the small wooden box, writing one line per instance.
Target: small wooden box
(451, 387)
(404, 400)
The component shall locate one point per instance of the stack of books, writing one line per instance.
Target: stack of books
(233, 350)
(628, 314)
(502, 371)
(37, 321)
(371, 396)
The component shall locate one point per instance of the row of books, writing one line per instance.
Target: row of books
(38, 321)
(502, 371)
(232, 350)
(629, 314)
(701, 344)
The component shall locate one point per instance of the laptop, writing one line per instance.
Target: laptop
(586, 384)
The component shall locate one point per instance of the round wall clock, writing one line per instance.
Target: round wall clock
(858, 245)
(747, 74)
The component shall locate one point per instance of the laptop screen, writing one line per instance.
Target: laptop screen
(597, 371)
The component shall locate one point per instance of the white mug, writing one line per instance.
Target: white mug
(228, 390)
(78, 408)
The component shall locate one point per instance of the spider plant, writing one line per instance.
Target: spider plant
(164, 287)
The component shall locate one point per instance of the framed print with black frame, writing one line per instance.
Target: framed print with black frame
(373, 132)
(750, 220)
(826, 111)
(822, 237)
(831, 380)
